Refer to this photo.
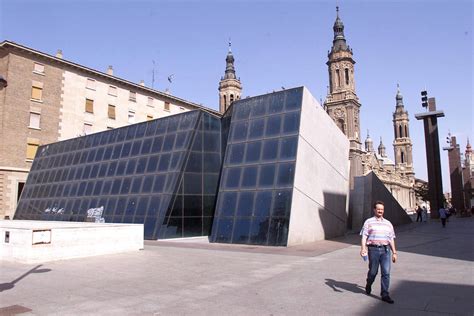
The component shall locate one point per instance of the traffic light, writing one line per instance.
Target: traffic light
(424, 99)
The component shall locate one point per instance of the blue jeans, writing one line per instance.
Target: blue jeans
(383, 257)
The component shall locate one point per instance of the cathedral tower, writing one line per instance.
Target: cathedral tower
(402, 143)
(230, 88)
(342, 103)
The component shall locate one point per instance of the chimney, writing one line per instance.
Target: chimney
(59, 53)
(142, 83)
(110, 71)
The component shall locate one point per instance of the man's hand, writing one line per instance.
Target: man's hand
(363, 252)
(394, 257)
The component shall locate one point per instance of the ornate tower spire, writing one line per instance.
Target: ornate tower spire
(402, 143)
(230, 88)
(369, 144)
(339, 42)
(342, 103)
(381, 149)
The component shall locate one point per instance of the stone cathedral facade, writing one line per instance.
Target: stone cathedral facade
(343, 106)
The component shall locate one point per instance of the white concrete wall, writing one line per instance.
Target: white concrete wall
(320, 196)
(68, 240)
(73, 115)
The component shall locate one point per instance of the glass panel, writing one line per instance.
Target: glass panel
(263, 203)
(270, 150)
(291, 122)
(224, 230)
(288, 147)
(256, 128)
(228, 203)
(146, 147)
(192, 205)
(259, 108)
(278, 232)
(252, 153)
(241, 231)
(282, 203)
(241, 111)
(239, 131)
(236, 153)
(273, 126)
(232, 178)
(126, 186)
(159, 183)
(259, 230)
(136, 185)
(164, 162)
(249, 177)
(266, 176)
(286, 172)
(147, 184)
(245, 205)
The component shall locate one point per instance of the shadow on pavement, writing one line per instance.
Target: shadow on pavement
(351, 287)
(11, 285)
(419, 298)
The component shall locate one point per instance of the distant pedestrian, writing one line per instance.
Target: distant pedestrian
(419, 212)
(425, 213)
(443, 216)
(378, 241)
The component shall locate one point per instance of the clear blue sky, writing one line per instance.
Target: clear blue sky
(417, 44)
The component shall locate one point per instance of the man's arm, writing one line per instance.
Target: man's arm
(363, 246)
(394, 250)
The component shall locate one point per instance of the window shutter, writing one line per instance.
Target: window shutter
(111, 112)
(89, 106)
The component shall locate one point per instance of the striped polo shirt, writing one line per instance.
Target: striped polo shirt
(378, 231)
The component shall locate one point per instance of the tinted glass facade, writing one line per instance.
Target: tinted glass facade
(256, 187)
(192, 174)
(143, 173)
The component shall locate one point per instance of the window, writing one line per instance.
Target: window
(133, 96)
(167, 106)
(113, 91)
(37, 91)
(90, 84)
(149, 117)
(87, 129)
(89, 106)
(338, 78)
(111, 112)
(34, 120)
(131, 117)
(150, 101)
(346, 73)
(39, 68)
(31, 148)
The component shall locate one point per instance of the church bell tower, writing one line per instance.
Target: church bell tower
(402, 143)
(230, 88)
(342, 103)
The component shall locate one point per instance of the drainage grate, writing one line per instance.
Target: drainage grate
(14, 310)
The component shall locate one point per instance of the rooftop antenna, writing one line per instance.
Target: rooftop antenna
(153, 76)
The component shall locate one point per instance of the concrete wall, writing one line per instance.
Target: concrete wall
(65, 240)
(367, 190)
(319, 205)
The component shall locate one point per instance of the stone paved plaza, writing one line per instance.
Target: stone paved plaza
(434, 276)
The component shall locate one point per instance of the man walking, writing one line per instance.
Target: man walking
(378, 242)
